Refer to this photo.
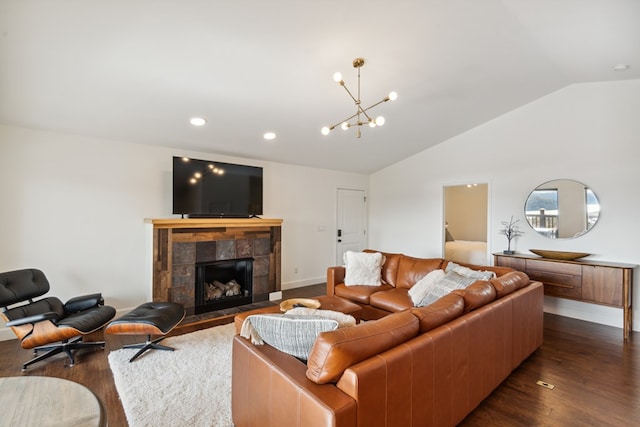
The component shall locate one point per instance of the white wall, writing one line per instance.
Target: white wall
(74, 207)
(586, 132)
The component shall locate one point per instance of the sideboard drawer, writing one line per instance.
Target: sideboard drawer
(558, 274)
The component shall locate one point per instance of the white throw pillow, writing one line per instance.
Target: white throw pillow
(363, 268)
(418, 291)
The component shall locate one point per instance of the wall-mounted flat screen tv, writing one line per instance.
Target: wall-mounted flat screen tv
(205, 188)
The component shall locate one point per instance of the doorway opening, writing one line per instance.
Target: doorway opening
(465, 223)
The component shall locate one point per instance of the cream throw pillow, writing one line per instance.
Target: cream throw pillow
(451, 281)
(363, 268)
(422, 287)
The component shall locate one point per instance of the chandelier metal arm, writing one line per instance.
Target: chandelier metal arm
(361, 110)
(349, 92)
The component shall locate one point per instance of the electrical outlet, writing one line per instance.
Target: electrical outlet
(295, 270)
(545, 384)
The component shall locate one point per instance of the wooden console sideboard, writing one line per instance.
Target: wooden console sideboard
(596, 282)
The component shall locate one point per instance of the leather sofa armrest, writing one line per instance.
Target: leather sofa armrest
(335, 276)
(269, 388)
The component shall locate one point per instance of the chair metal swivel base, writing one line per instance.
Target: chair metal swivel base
(149, 345)
(65, 346)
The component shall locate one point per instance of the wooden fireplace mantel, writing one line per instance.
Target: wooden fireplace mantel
(212, 222)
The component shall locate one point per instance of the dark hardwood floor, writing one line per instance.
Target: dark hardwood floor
(596, 375)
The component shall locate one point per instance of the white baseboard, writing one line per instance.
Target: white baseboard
(275, 296)
(301, 283)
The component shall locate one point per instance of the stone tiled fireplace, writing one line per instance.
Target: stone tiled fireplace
(182, 246)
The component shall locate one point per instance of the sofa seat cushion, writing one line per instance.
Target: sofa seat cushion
(444, 310)
(337, 350)
(359, 293)
(391, 300)
(411, 270)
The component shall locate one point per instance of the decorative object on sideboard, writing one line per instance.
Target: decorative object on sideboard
(560, 255)
(361, 115)
(562, 209)
(510, 230)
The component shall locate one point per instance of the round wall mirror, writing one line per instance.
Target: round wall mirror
(562, 209)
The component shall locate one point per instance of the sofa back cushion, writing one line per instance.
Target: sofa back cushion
(440, 312)
(411, 270)
(335, 351)
(476, 295)
(509, 282)
(390, 266)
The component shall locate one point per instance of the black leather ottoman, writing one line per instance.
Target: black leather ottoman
(150, 318)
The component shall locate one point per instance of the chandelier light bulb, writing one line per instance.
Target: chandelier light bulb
(372, 124)
(393, 96)
(345, 126)
(379, 120)
(197, 121)
(337, 77)
(325, 130)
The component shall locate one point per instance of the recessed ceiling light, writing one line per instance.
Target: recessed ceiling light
(197, 121)
(621, 67)
(269, 136)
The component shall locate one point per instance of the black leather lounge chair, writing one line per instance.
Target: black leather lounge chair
(48, 324)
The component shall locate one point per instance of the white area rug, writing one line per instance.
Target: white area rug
(190, 386)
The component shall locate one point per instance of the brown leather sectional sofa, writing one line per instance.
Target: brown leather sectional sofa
(427, 366)
(399, 273)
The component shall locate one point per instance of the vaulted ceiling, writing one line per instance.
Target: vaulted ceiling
(138, 70)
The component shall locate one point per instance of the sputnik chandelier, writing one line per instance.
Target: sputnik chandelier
(361, 115)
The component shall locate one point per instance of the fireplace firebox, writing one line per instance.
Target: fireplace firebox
(223, 284)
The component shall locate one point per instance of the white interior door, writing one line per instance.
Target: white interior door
(351, 233)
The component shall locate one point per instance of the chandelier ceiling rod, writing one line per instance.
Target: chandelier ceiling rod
(379, 121)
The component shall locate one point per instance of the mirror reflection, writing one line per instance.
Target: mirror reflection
(562, 209)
